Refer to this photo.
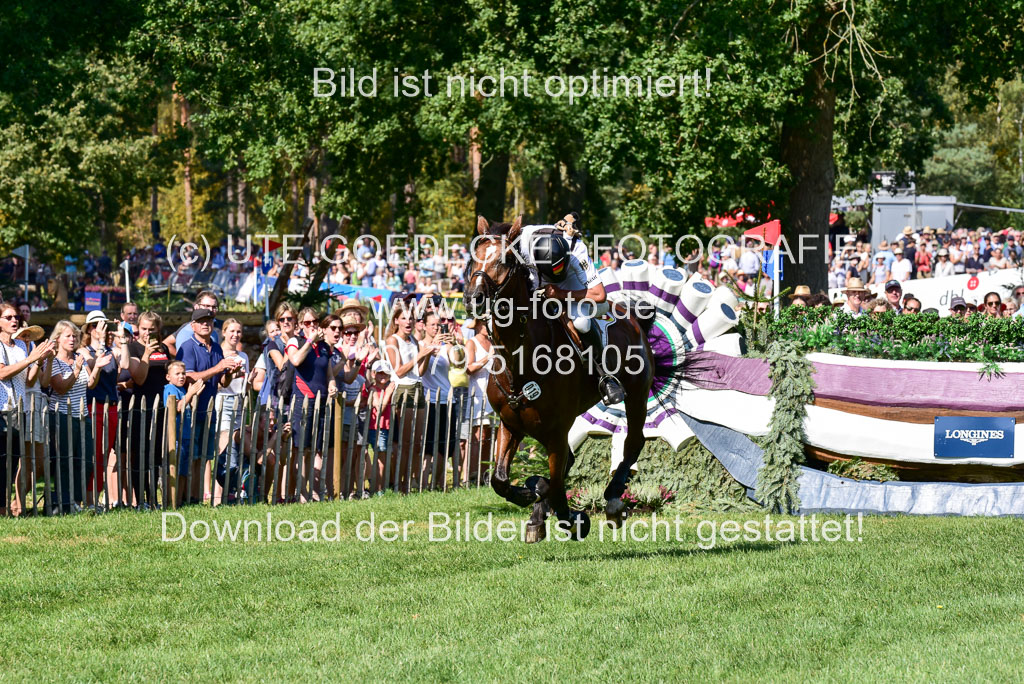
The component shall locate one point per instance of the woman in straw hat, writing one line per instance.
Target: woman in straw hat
(800, 296)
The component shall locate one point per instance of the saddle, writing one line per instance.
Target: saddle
(598, 327)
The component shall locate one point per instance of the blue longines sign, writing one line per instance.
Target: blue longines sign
(972, 437)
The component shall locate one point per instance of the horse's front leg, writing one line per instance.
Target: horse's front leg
(575, 523)
(505, 450)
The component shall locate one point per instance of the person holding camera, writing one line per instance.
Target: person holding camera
(441, 335)
(69, 375)
(146, 359)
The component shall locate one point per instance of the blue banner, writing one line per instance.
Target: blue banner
(973, 437)
(769, 263)
(93, 301)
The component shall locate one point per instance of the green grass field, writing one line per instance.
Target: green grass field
(88, 598)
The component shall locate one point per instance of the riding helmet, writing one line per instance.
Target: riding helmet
(551, 256)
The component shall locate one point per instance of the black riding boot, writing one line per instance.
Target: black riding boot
(609, 387)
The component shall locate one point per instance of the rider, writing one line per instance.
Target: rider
(567, 274)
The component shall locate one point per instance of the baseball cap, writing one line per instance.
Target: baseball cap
(199, 314)
(893, 284)
(957, 301)
(380, 367)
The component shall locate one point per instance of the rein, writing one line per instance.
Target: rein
(494, 288)
(494, 291)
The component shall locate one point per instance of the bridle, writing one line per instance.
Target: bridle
(492, 289)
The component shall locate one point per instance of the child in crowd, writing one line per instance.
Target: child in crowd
(377, 395)
(175, 387)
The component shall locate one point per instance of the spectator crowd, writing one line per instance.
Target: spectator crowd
(84, 410)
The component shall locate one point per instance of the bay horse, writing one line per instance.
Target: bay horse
(498, 279)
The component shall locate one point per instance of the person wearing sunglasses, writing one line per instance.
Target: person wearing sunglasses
(204, 361)
(357, 356)
(277, 383)
(958, 307)
(146, 359)
(205, 300)
(911, 305)
(992, 305)
(893, 295)
(315, 369)
(20, 366)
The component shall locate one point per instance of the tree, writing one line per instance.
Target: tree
(75, 116)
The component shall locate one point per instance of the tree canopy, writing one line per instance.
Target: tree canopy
(790, 97)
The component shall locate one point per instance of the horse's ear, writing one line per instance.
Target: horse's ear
(482, 225)
(517, 227)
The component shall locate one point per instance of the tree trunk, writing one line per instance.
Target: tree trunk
(565, 191)
(242, 215)
(183, 111)
(808, 154)
(154, 193)
(490, 192)
(1020, 150)
(296, 214)
(474, 156)
(230, 195)
(323, 266)
(410, 196)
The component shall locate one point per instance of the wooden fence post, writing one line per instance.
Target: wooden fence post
(172, 452)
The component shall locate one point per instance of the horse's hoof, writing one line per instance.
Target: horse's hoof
(535, 533)
(576, 525)
(617, 519)
(614, 507)
(615, 512)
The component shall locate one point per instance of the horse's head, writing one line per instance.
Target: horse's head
(493, 266)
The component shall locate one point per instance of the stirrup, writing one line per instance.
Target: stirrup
(611, 390)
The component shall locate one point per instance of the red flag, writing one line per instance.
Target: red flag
(769, 232)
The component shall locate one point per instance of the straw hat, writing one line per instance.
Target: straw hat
(854, 285)
(352, 319)
(907, 230)
(352, 304)
(30, 333)
(352, 313)
(801, 291)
